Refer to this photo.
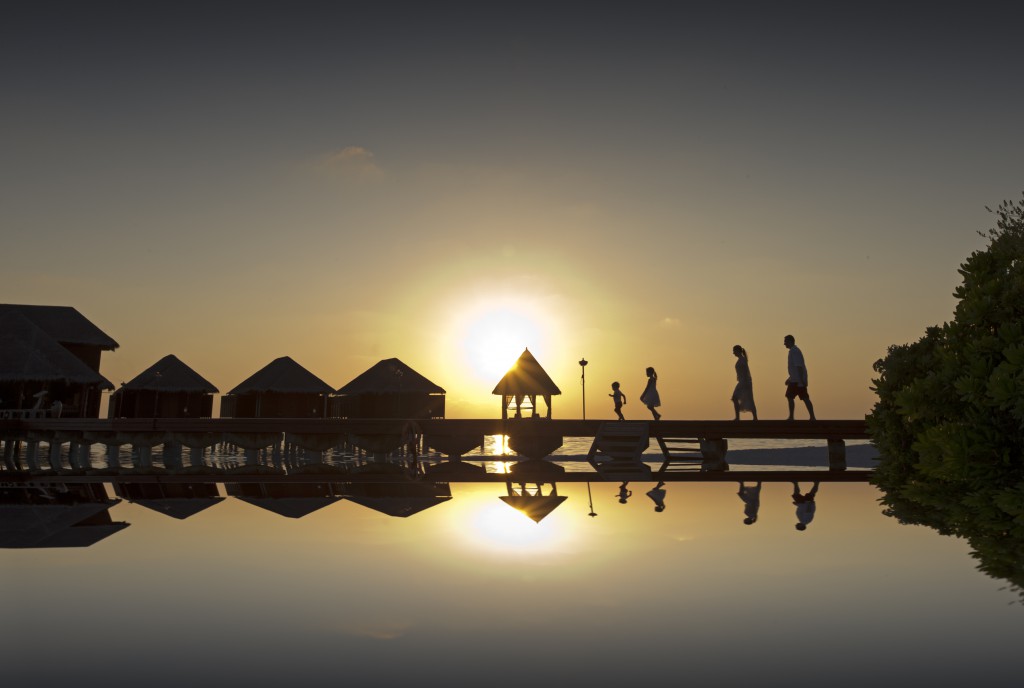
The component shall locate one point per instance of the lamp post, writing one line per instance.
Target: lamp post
(583, 377)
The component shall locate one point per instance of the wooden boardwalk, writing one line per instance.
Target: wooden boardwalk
(691, 450)
(533, 427)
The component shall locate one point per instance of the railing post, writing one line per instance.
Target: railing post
(714, 452)
(836, 455)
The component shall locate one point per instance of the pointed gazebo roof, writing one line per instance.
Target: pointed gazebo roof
(28, 352)
(283, 375)
(526, 376)
(535, 507)
(65, 324)
(169, 374)
(390, 376)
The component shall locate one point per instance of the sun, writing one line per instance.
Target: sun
(492, 337)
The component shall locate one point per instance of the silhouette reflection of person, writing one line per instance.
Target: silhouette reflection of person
(650, 397)
(624, 492)
(619, 398)
(751, 496)
(796, 383)
(805, 505)
(657, 495)
(743, 395)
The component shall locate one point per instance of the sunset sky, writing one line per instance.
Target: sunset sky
(448, 186)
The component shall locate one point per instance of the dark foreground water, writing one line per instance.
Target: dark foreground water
(472, 593)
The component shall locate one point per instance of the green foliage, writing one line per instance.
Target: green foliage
(949, 420)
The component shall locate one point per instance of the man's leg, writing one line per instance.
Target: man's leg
(789, 400)
(807, 403)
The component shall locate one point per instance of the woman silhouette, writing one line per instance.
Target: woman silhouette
(743, 395)
(650, 397)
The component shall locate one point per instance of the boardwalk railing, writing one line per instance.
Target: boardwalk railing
(701, 444)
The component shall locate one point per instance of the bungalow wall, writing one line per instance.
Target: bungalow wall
(273, 405)
(147, 403)
(394, 405)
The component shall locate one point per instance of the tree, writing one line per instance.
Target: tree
(949, 420)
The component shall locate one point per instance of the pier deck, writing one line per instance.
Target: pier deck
(717, 429)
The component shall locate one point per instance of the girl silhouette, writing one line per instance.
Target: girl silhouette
(650, 397)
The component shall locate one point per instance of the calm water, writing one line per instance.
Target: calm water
(472, 593)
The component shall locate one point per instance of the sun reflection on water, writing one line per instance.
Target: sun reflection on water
(498, 528)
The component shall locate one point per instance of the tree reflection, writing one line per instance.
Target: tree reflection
(994, 536)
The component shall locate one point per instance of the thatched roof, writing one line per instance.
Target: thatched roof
(526, 376)
(399, 507)
(283, 375)
(390, 376)
(169, 374)
(28, 354)
(291, 507)
(179, 508)
(65, 324)
(399, 499)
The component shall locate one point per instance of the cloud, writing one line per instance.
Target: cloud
(670, 323)
(352, 161)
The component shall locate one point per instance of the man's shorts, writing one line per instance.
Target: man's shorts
(796, 391)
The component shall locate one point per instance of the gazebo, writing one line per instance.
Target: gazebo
(389, 389)
(522, 384)
(167, 389)
(281, 389)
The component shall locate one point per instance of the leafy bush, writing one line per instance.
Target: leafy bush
(949, 420)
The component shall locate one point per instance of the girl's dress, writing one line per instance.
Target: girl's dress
(744, 392)
(650, 396)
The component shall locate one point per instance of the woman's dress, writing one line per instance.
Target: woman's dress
(743, 395)
(650, 397)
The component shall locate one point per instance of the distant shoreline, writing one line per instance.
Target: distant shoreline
(857, 456)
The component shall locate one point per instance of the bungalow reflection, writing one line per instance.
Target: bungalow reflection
(530, 517)
(57, 516)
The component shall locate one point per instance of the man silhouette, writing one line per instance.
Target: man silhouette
(751, 496)
(796, 383)
(805, 506)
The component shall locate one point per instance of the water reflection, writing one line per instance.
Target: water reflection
(354, 591)
(750, 495)
(57, 516)
(50, 513)
(805, 505)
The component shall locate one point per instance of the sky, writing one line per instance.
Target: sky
(637, 186)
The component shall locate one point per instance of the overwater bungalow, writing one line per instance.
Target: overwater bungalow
(167, 389)
(281, 389)
(41, 375)
(522, 384)
(389, 389)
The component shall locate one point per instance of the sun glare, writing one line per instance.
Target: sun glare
(499, 527)
(493, 336)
